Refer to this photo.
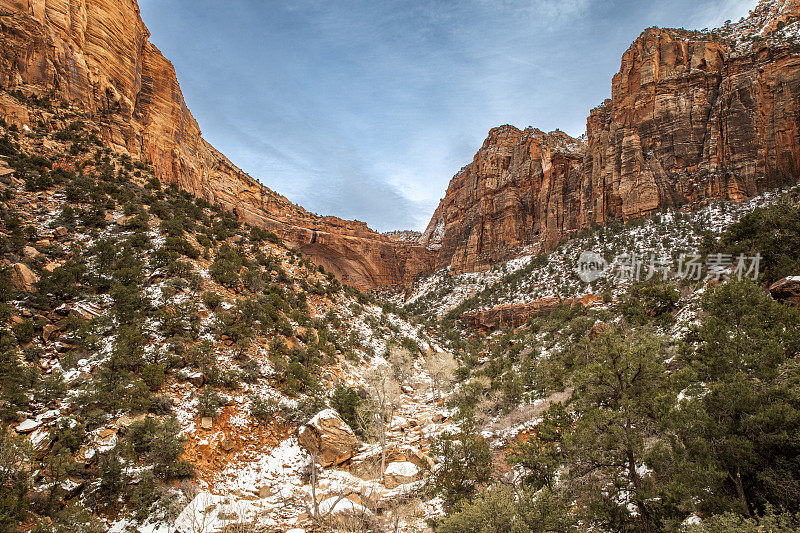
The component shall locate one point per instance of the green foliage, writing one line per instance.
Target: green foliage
(774, 232)
(771, 522)
(347, 402)
(465, 463)
(263, 410)
(541, 455)
(209, 402)
(158, 443)
(226, 267)
(212, 300)
(499, 510)
(649, 301)
(15, 478)
(17, 381)
(739, 422)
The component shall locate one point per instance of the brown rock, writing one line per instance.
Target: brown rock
(787, 290)
(515, 315)
(60, 232)
(196, 378)
(400, 473)
(227, 444)
(30, 252)
(49, 332)
(23, 277)
(329, 438)
(207, 422)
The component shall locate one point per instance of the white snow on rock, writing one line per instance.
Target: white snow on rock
(26, 426)
(334, 506)
(403, 469)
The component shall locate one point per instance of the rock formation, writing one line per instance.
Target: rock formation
(329, 438)
(692, 115)
(519, 189)
(516, 315)
(95, 54)
(787, 290)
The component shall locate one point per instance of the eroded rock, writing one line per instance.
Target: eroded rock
(329, 438)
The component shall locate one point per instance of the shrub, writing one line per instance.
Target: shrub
(346, 401)
(263, 410)
(209, 402)
(158, 443)
(465, 463)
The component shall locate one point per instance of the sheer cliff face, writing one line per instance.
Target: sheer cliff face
(692, 116)
(519, 189)
(96, 54)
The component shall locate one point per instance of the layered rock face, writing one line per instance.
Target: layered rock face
(96, 55)
(515, 315)
(519, 189)
(693, 115)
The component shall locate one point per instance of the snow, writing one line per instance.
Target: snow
(27, 425)
(334, 506)
(402, 469)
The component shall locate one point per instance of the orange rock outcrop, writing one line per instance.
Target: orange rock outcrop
(96, 54)
(516, 315)
(692, 115)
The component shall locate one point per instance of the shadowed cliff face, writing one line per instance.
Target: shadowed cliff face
(692, 116)
(96, 54)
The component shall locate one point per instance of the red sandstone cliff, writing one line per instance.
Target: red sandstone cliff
(96, 54)
(519, 189)
(692, 116)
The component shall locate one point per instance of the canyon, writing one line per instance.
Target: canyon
(692, 116)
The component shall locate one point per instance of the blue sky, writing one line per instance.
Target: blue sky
(365, 109)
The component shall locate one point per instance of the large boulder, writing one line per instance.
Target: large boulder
(329, 438)
(400, 473)
(787, 290)
(23, 277)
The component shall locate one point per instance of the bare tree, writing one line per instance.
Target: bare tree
(402, 363)
(382, 403)
(441, 367)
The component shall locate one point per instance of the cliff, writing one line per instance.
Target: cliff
(95, 54)
(692, 116)
(519, 189)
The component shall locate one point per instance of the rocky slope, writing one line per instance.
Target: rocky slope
(692, 115)
(133, 309)
(96, 54)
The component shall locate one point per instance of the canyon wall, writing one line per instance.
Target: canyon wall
(692, 116)
(519, 189)
(96, 54)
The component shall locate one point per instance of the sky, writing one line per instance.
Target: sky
(365, 109)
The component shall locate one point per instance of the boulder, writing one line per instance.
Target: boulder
(400, 473)
(23, 277)
(329, 438)
(787, 290)
(60, 232)
(26, 426)
(227, 444)
(206, 422)
(195, 378)
(336, 506)
(49, 332)
(30, 252)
